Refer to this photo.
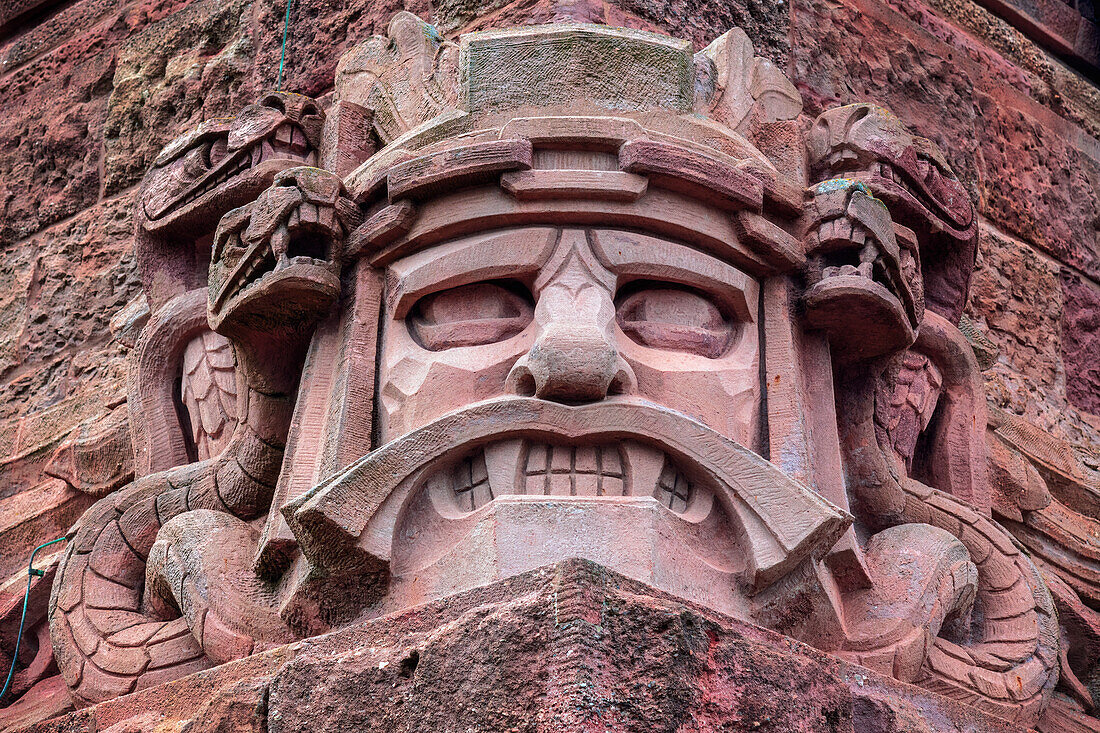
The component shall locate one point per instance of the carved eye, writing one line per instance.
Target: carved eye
(471, 315)
(197, 161)
(212, 151)
(674, 318)
(274, 101)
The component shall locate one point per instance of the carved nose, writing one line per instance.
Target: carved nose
(571, 363)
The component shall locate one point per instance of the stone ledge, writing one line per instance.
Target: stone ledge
(567, 647)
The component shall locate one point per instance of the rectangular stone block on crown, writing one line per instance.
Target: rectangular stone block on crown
(571, 65)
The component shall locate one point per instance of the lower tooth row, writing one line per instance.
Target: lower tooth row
(513, 467)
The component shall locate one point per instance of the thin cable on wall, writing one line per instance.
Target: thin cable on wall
(31, 575)
(282, 57)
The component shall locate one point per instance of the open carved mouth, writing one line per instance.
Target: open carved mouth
(851, 250)
(287, 142)
(413, 500)
(537, 468)
(861, 269)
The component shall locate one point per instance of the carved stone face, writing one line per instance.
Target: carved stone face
(587, 319)
(573, 316)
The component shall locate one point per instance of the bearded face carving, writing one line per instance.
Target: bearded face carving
(555, 296)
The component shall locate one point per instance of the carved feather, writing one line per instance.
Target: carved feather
(209, 392)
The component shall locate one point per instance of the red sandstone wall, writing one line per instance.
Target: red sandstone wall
(90, 90)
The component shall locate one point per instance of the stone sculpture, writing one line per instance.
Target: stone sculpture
(572, 291)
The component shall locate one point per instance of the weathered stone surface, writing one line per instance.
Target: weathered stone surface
(1008, 56)
(1016, 297)
(59, 364)
(72, 19)
(319, 35)
(765, 23)
(57, 102)
(1081, 341)
(570, 647)
(172, 75)
(34, 516)
(99, 87)
(1038, 186)
(835, 61)
(1018, 300)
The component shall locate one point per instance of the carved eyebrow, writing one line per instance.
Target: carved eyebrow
(508, 253)
(636, 256)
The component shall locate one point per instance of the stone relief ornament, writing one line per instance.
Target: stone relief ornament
(573, 291)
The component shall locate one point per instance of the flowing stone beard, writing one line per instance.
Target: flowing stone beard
(651, 493)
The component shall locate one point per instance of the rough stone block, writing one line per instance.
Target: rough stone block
(568, 647)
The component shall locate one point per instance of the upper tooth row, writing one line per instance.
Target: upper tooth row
(511, 467)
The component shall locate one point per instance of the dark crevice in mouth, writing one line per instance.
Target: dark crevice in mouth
(859, 255)
(249, 274)
(673, 489)
(470, 482)
(311, 244)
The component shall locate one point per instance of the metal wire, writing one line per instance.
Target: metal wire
(282, 58)
(31, 575)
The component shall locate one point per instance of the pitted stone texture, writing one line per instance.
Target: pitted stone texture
(569, 647)
(54, 99)
(311, 56)
(1032, 176)
(835, 61)
(58, 364)
(1008, 56)
(191, 65)
(1037, 185)
(1081, 341)
(1017, 298)
(766, 23)
(82, 273)
(51, 111)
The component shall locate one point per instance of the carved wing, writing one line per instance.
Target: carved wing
(209, 392)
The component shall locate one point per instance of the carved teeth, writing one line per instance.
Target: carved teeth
(562, 470)
(536, 468)
(502, 460)
(470, 483)
(644, 463)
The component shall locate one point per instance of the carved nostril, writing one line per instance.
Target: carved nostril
(520, 381)
(624, 382)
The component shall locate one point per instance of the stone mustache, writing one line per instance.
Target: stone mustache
(554, 292)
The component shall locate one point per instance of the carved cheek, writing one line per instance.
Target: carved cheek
(418, 385)
(722, 393)
(685, 357)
